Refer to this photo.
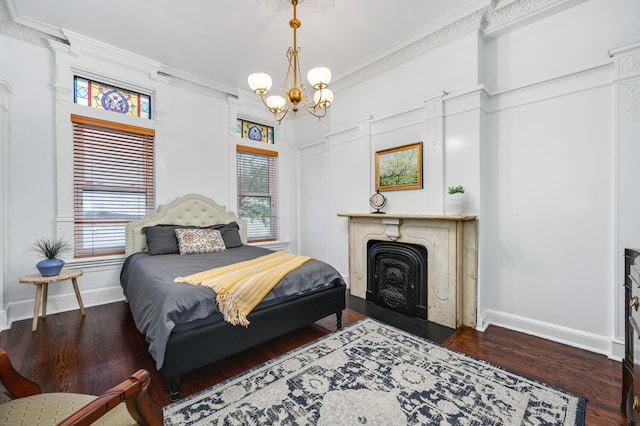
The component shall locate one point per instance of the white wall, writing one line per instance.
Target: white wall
(195, 153)
(534, 144)
(549, 261)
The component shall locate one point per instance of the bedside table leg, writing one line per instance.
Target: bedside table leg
(36, 308)
(45, 288)
(77, 290)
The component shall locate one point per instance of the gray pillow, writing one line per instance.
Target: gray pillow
(161, 239)
(231, 235)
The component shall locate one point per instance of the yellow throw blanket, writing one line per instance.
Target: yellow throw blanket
(241, 286)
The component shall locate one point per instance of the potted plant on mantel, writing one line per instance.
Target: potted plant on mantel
(51, 249)
(456, 202)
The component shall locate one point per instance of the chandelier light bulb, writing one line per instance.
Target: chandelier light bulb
(323, 98)
(259, 82)
(276, 103)
(319, 77)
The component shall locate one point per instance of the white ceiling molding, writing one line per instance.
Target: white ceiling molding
(490, 17)
(508, 15)
(79, 43)
(198, 83)
(312, 8)
(11, 23)
(194, 83)
(452, 31)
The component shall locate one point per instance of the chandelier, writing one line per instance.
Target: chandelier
(293, 88)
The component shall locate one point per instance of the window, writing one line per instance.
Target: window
(254, 131)
(110, 98)
(113, 180)
(258, 192)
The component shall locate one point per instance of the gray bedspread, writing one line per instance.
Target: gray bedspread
(158, 304)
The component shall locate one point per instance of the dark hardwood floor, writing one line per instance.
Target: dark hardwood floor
(90, 354)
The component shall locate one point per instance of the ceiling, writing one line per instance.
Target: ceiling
(225, 40)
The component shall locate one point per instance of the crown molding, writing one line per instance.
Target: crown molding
(12, 24)
(186, 80)
(489, 18)
(511, 14)
(40, 27)
(447, 28)
(80, 44)
(435, 36)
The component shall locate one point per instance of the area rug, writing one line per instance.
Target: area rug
(371, 373)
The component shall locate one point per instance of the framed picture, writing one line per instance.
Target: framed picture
(399, 168)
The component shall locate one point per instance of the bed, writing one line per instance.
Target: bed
(180, 321)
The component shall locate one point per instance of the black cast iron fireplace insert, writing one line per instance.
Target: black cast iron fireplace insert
(397, 277)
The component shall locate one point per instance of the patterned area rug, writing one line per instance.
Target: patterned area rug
(372, 373)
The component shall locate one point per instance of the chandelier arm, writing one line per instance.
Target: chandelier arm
(312, 110)
(284, 110)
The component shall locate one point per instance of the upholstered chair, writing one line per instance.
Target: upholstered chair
(29, 406)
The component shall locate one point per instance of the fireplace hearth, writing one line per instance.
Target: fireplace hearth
(397, 277)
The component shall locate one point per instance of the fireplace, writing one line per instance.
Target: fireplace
(397, 277)
(451, 271)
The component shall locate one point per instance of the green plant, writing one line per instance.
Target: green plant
(456, 189)
(51, 248)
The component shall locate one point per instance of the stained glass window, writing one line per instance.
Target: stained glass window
(110, 98)
(254, 131)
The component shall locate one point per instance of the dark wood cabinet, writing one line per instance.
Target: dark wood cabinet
(631, 361)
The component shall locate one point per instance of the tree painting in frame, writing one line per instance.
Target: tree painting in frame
(399, 168)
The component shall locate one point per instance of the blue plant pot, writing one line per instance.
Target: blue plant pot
(49, 267)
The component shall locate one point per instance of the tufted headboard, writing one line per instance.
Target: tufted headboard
(191, 209)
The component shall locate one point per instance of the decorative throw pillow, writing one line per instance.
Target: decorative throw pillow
(195, 241)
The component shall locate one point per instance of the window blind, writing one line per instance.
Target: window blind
(257, 177)
(113, 181)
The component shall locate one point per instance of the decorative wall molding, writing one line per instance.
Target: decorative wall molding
(627, 60)
(63, 94)
(489, 20)
(10, 26)
(193, 86)
(82, 45)
(5, 91)
(630, 96)
(629, 65)
(518, 11)
(434, 39)
(434, 108)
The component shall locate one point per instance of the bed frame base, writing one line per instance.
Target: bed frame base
(192, 349)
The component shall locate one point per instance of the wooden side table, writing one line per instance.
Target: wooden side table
(42, 283)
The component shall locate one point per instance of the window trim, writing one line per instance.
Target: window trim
(272, 174)
(142, 135)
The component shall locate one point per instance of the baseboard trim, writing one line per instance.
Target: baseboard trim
(577, 338)
(23, 309)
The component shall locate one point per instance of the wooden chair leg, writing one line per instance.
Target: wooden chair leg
(75, 288)
(45, 288)
(36, 307)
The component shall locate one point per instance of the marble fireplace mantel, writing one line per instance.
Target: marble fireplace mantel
(452, 259)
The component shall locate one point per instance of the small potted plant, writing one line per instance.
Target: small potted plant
(50, 249)
(455, 203)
